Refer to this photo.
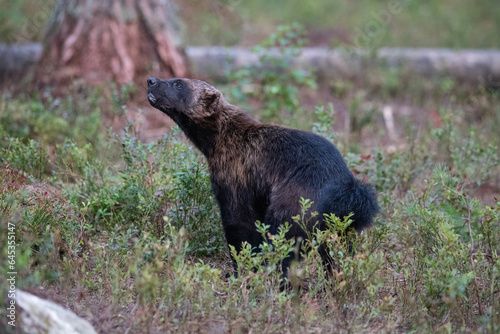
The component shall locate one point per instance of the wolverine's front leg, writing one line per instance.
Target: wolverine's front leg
(241, 206)
(236, 235)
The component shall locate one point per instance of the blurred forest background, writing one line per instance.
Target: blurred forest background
(112, 209)
(447, 23)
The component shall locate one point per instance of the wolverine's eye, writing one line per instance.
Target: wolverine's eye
(178, 85)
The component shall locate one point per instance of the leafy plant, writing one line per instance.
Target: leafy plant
(30, 158)
(275, 83)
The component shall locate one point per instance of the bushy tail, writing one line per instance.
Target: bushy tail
(342, 198)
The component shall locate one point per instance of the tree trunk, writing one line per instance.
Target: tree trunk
(97, 42)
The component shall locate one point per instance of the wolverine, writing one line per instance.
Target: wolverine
(259, 172)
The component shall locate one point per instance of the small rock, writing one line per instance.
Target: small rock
(40, 316)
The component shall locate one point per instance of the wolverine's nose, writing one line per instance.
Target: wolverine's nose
(152, 81)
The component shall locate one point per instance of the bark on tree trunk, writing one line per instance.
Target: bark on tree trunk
(110, 40)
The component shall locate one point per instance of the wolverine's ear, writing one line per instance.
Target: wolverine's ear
(211, 96)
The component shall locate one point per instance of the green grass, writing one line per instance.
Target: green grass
(127, 233)
(24, 21)
(447, 23)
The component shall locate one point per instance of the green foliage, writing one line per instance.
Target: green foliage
(262, 268)
(459, 23)
(149, 182)
(24, 21)
(129, 225)
(30, 158)
(52, 122)
(194, 208)
(449, 247)
(473, 155)
(326, 119)
(11, 181)
(276, 82)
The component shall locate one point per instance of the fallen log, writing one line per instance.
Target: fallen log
(474, 66)
(215, 62)
(15, 59)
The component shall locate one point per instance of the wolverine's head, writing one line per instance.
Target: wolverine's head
(189, 97)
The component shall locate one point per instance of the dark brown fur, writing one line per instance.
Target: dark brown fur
(260, 171)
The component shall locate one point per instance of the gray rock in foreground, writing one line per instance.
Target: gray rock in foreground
(40, 316)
